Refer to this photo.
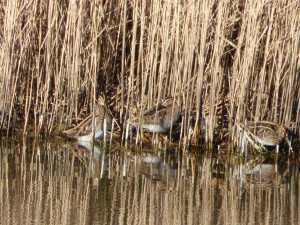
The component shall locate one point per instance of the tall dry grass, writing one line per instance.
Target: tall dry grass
(228, 60)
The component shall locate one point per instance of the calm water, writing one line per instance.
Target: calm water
(61, 183)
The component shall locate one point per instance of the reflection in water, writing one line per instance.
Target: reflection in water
(63, 183)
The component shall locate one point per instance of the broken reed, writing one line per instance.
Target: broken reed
(228, 60)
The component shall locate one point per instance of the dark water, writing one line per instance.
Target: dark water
(61, 183)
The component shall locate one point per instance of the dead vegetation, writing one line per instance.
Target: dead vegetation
(228, 60)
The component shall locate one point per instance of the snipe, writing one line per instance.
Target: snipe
(161, 117)
(83, 132)
(266, 133)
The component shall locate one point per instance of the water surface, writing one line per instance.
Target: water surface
(56, 182)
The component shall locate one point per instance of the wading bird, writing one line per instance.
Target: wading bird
(266, 133)
(84, 132)
(161, 117)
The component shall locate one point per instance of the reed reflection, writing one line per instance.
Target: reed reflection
(64, 183)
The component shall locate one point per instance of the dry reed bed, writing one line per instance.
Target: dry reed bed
(238, 59)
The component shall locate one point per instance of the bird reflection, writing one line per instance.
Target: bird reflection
(159, 168)
(264, 175)
(90, 155)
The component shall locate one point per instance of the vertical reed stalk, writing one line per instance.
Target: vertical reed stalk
(232, 58)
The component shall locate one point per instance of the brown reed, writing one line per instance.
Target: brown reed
(58, 57)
